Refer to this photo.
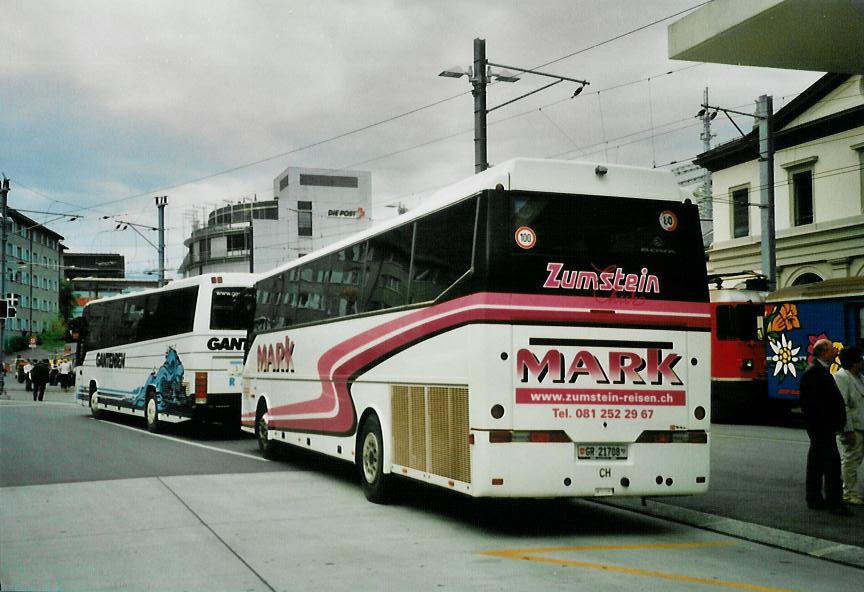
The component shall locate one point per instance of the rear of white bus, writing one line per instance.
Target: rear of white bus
(594, 379)
(215, 380)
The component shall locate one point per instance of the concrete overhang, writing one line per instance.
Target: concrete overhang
(815, 35)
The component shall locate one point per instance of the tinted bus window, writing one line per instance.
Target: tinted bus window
(345, 281)
(131, 314)
(224, 311)
(581, 248)
(387, 264)
(168, 313)
(443, 245)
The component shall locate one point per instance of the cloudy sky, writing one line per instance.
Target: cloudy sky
(105, 104)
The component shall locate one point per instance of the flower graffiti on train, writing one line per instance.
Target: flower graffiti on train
(787, 358)
(835, 364)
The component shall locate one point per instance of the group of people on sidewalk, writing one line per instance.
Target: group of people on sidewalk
(833, 407)
(37, 375)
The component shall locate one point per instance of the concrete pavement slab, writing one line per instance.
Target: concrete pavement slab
(111, 535)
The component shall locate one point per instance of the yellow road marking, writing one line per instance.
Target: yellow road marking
(533, 555)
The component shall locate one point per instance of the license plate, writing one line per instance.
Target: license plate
(601, 451)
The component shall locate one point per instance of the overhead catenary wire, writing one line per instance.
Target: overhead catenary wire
(605, 144)
(380, 122)
(521, 114)
(823, 174)
(622, 35)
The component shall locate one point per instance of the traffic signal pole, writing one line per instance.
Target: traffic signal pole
(4, 192)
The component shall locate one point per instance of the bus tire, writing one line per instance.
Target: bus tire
(370, 464)
(265, 445)
(151, 412)
(94, 400)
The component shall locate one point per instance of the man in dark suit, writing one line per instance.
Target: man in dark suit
(40, 375)
(824, 417)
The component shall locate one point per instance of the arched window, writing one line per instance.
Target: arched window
(806, 278)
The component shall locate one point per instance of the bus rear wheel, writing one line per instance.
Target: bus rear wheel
(151, 413)
(265, 445)
(373, 479)
(94, 403)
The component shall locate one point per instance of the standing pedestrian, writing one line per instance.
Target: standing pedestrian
(39, 375)
(65, 374)
(28, 381)
(851, 440)
(824, 417)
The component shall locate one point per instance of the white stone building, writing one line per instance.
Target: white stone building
(819, 188)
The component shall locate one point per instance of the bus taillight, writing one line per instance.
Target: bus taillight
(673, 437)
(499, 436)
(200, 388)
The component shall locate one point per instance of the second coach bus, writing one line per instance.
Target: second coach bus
(540, 330)
(168, 354)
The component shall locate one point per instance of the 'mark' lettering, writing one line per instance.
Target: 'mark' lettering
(276, 359)
(622, 367)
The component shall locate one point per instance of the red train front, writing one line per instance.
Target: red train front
(737, 354)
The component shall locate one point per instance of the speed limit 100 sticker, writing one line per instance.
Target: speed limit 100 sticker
(526, 237)
(668, 221)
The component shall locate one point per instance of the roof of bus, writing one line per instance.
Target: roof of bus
(835, 288)
(233, 279)
(529, 174)
(567, 176)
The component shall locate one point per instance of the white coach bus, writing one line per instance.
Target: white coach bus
(168, 354)
(541, 329)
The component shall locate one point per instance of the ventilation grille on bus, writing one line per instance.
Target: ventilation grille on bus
(430, 430)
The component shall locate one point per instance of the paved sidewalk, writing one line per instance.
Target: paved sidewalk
(15, 391)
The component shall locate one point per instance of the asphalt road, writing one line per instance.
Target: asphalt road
(87, 504)
(53, 442)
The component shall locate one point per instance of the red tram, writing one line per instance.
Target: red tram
(738, 362)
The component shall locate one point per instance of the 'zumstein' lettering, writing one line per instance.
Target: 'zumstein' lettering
(611, 280)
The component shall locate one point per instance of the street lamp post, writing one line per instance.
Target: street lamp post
(161, 202)
(479, 82)
(765, 111)
(479, 75)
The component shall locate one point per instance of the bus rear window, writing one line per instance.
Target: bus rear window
(224, 311)
(598, 246)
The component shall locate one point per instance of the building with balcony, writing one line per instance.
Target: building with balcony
(224, 243)
(311, 209)
(34, 255)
